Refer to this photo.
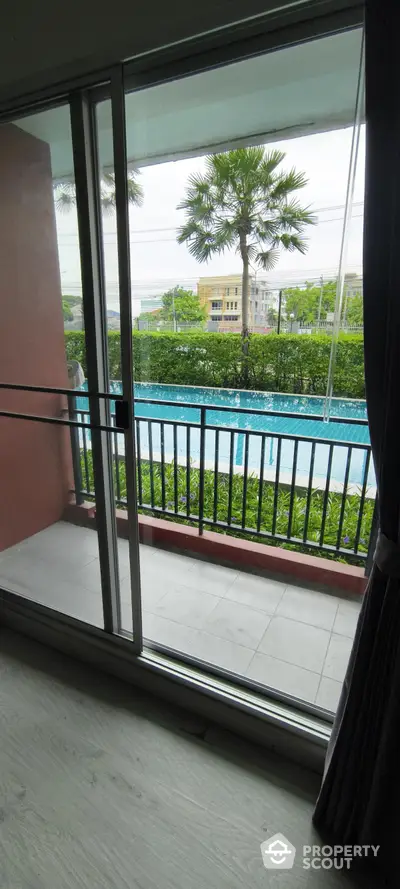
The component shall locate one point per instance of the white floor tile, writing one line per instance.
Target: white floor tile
(89, 576)
(295, 642)
(309, 607)
(214, 613)
(209, 578)
(337, 657)
(64, 553)
(222, 653)
(168, 632)
(186, 606)
(197, 644)
(257, 592)
(152, 592)
(328, 694)
(292, 680)
(238, 623)
(346, 618)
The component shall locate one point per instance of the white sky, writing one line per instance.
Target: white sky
(158, 262)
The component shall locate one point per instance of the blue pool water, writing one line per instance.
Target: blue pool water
(340, 433)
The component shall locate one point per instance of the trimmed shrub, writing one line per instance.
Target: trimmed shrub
(284, 363)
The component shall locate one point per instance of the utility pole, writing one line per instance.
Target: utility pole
(320, 298)
(278, 330)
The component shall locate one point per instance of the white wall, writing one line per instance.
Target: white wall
(49, 41)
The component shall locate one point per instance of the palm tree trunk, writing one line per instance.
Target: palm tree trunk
(245, 310)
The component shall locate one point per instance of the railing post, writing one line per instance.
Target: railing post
(372, 539)
(75, 450)
(202, 467)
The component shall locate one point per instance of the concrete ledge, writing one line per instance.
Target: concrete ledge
(232, 550)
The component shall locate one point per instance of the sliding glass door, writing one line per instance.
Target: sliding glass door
(242, 179)
(66, 432)
(156, 468)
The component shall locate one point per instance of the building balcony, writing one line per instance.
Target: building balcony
(291, 637)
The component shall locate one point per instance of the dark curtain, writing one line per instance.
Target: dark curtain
(359, 802)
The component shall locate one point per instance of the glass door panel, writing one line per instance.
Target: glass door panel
(230, 436)
(118, 187)
(46, 552)
(58, 541)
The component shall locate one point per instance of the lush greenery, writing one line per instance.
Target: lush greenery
(68, 301)
(176, 500)
(67, 313)
(305, 302)
(277, 363)
(355, 310)
(179, 306)
(312, 302)
(244, 201)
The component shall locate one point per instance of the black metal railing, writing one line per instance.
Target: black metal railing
(306, 492)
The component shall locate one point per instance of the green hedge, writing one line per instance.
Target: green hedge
(284, 363)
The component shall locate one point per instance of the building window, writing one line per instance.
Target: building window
(236, 302)
(227, 291)
(235, 291)
(216, 305)
(216, 318)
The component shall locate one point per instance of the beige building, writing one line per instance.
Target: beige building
(222, 296)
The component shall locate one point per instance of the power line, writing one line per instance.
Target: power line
(170, 228)
(134, 242)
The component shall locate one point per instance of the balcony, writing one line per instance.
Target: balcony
(266, 630)
(217, 484)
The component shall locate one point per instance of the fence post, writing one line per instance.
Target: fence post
(202, 467)
(75, 450)
(372, 539)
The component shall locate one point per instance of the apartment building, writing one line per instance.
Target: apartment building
(222, 296)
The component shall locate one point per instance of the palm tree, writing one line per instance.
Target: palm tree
(242, 201)
(65, 195)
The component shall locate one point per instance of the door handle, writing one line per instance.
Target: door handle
(122, 418)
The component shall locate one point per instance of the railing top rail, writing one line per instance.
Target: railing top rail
(287, 436)
(57, 390)
(240, 410)
(249, 410)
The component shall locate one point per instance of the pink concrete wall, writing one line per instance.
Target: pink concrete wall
(34, 457)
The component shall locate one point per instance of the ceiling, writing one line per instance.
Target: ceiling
(303, 89)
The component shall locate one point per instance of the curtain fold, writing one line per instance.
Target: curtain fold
(359, 798)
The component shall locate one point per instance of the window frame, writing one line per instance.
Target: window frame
(305, 728)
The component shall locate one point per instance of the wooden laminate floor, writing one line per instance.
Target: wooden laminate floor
(102, 787)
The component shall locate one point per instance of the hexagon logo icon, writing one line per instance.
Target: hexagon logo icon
(277, 853)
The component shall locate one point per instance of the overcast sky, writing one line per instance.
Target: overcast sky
(159, 263)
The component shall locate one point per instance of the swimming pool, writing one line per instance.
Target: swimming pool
(339, 433)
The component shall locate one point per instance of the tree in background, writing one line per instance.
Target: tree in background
(65, 193)
(150, 317)
(310, 302)
(68, 302)
(272, 317)
(181, 306)
(244, 202)
(67, 313)
(355, 311)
